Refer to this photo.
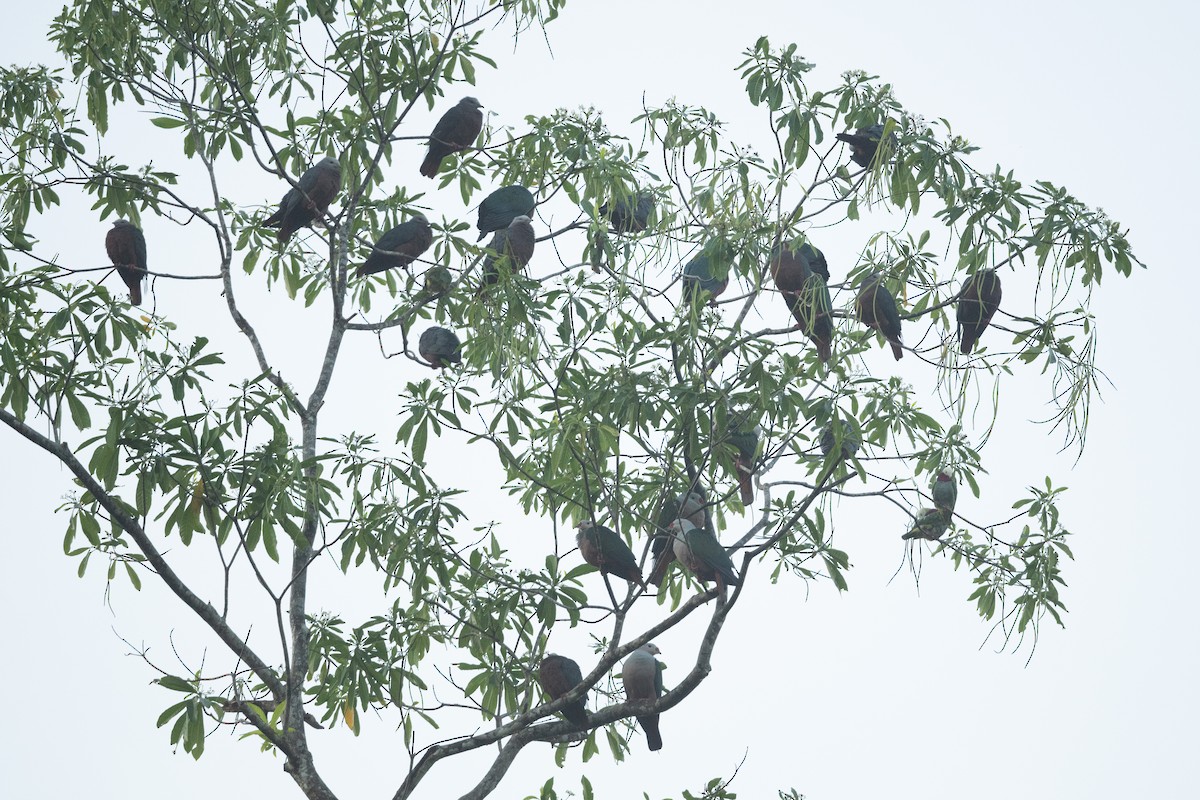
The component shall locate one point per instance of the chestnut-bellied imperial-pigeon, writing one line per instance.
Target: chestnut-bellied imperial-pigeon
(864, 143)
(605, 550)
(559, 675)
(439, 347)
(512, 246)
(977, 303)
(642, 676)
(126, 247)
(692, 506)
(795, 270)
(501, 207)
(456, 130)
(702, 555)
(308, 199)
(400, 246)
(630, 214)
(875, 307)
(707, 274)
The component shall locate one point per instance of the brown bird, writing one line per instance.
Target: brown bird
(977, 303)
(642, 677)
(456, 130)
(605, 550)
(875, 307)
(127, 249)
(513, 245)
(400, 246)
(804, 290)
(559, 675)
(308, 199)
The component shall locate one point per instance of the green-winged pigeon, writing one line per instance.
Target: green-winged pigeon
(559, 675)
(863, 143)
(439, 347)
(605, 550)
(692, 506)
(501, 207)
(642, 676)
(456, 130)
(400, 246)
(945, 493)
(309, 199)
(512, 246)
(126, 247)
(875, 307)
(707, 274)
(977, 303)
(702, 555)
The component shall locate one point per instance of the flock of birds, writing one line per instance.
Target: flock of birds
(685, 531)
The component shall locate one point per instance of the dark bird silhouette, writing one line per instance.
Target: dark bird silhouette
(456, 130)
(977, 303)
(501, 207)
(629, 214)
(440, 347)
(642, 676)
(400, 246)
(605, 550)
(844, 430)
(875, 307)
(691, 506)
(559, 675)
(794, 269)
(126, 247)
(707, 274)
(512, 246)
(308, 200)
(864, 143)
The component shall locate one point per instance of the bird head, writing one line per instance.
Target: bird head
(585, 525)
(651, 648)
(943, 478)
(471, 102)
(519, 220)
(329, 162)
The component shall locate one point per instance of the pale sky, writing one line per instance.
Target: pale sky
(884, 691)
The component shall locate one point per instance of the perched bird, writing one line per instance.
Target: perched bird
(746, 441)
(456, 130)
(126, 247)
(309, 199)
(438, 281)
(707, 272)
(945, 493)
(875, 307)
(559, 675)
(814, 259)
(813, 310)
(845, 430)
(977, 302)
(501, 207)
(692, 506)
(605, 550)
(629, 214)
(513, 245)
(930, 523)
(642, 676)
(439, 347)
(400, 246)
(863, 144)
(703, 556)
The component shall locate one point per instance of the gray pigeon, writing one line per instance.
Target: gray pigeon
(642, 676)
(400, 246)
(501, 207)
(309, 199)
(456, 130)
(439, 347)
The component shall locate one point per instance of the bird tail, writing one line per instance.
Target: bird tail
(429, 167)
(897, 350)
(135, 294)
(968, 344)
(661, 565)
(745, 476)
(653, 737)
(824, 350)
(576, 713)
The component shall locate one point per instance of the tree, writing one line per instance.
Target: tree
(599, 393)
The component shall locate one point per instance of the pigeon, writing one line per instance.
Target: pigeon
(707, 273)
(559, 675)
(642, 676)
(309, 199)
(501, 207)
(456, 130)
(977, 303)
(702, 555)
(629, 214)
(513, 245)
(692, 506)
(863, 143)
(930, 523)
(439, 347)
(605, 550)
(845, 429)
(400, 246)
(875, 307)
(126, 247)
(945, 493)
